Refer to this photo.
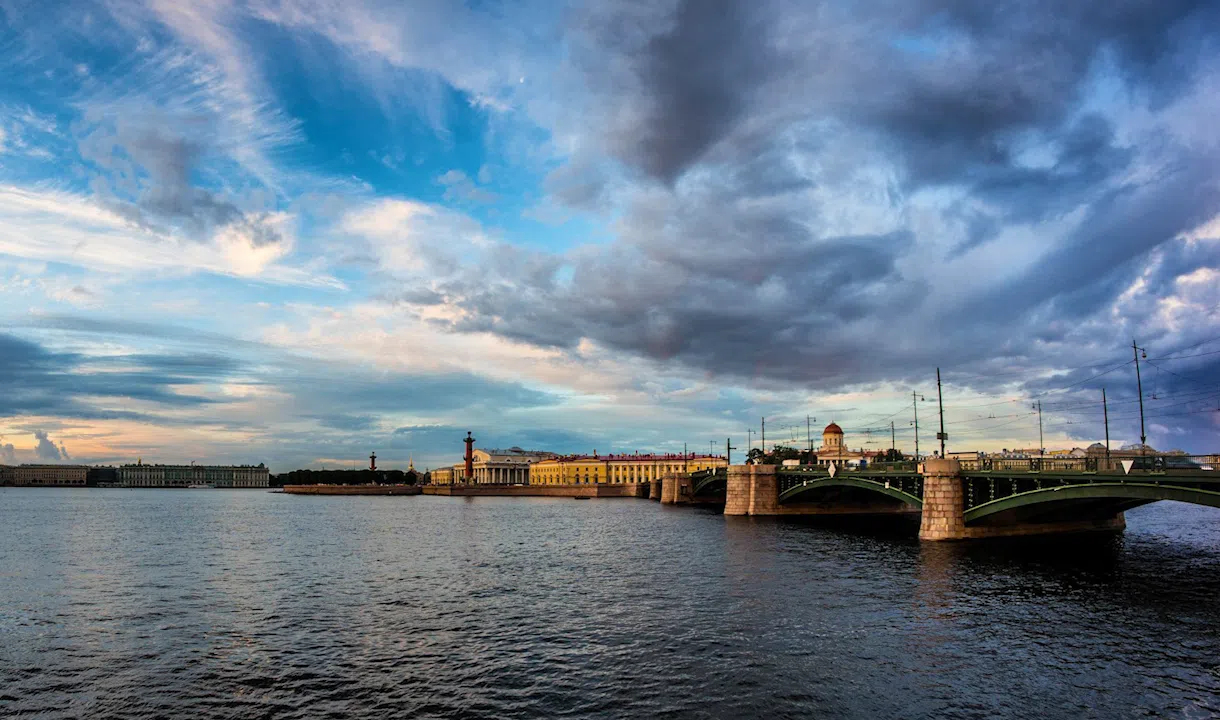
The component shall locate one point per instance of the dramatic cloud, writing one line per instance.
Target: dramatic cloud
(46, 448)
(950, 135)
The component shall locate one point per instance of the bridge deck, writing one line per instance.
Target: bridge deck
(993, 488)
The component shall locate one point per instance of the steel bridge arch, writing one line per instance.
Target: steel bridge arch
(853, 482)
(702, 479)
(1143, 492)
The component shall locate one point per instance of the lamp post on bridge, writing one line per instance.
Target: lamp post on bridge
(940, 400)
(1041, 444)
(1105, 414)
(1139, 385)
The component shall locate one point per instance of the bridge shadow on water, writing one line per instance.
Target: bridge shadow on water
(899, 529)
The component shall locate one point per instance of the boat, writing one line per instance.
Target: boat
(206, 486)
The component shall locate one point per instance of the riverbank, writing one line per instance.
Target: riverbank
(353, 489)
(617, 490)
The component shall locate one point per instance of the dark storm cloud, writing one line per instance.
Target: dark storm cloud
(346, 422)
(361, 394)
(1123, 225)
(37, 381)
(445, 441)
(769, 169)
(1181, 403)
(694, 78)
(946, 84)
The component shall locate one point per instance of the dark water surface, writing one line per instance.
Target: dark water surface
(246, 604)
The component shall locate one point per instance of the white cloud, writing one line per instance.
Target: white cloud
(414, 239)
(56, 226)
(247, 254)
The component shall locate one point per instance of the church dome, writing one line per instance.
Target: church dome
(832, 429)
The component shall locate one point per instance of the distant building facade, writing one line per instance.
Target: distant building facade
(45, 475)
(442, 475)
(181, 476)
(617, 469)
(103, 476)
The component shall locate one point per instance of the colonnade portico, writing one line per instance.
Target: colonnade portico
(501, 475)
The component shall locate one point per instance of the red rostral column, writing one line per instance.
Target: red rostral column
(469, 456)
(373, 462)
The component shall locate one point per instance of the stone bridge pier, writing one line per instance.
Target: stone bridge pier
(751, 490)
(676, 489)
(654, 489)
(944, 501)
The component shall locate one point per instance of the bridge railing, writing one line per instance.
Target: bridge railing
(900, 476)
(1139, 463)
(1168, 470)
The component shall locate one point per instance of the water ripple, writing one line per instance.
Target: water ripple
(218, 604)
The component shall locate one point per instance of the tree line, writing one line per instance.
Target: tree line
(780, 453)
(346, 477)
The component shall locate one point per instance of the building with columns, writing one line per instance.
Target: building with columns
(529, 467)
(618, 469)
(502, 467)
(181, 476)
(443, 475)
(834, 449)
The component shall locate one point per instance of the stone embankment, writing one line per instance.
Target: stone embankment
(353, 489)
(616, 490)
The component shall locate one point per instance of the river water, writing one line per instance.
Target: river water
(247, 604)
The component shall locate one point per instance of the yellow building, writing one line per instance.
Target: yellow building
(442, 476)
(617, 469)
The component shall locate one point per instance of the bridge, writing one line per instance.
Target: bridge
(960, 499)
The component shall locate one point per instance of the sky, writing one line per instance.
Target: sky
(300, 232)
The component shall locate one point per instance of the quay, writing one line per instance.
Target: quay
(353, 489)
(605, 490)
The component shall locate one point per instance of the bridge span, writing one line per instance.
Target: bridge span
(955, 500)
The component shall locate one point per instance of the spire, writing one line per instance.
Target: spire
(410, 462)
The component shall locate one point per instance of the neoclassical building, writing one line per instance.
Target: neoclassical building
(498, 467)
(834, 450)
(617, 469)
(521, 467)
(180, 476)
(45, 475)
